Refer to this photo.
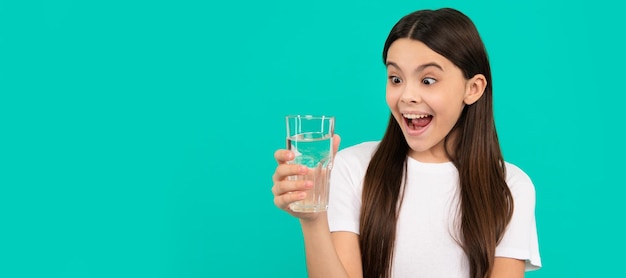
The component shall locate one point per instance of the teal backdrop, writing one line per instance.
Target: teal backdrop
(137, 137)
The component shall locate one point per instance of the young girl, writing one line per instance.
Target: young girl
(434, 197)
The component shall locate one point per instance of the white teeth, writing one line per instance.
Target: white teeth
(415, 116)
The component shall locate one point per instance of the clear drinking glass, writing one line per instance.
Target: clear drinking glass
(310, 139)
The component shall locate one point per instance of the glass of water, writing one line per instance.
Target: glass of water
(310, 139)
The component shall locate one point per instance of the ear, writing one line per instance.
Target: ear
(474, 89)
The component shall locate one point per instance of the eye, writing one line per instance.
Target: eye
(395, 80)
(428, 81)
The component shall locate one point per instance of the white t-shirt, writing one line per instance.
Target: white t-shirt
(425, 237)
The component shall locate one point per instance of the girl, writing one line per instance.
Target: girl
(434, 197)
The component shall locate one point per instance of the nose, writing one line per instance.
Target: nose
(411, 94)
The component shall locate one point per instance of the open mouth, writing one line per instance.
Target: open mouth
(417, 121)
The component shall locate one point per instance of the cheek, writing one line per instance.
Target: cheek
(389, 100)
(449, 110)
(391, 96)
(451, 102)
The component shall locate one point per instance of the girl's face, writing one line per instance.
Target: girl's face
(426, 94)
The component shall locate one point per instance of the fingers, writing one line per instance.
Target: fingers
(285, 170)
(283, 201)
(282, 156)
(336, 141)
(287, 186)
(287, 192)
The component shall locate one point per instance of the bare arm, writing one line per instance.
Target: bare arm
(507, 268)
(347, 246)
(330, 255)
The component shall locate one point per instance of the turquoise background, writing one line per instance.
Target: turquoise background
(137, 136)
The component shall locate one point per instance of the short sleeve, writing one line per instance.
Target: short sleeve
(346, 184)
(520, 240)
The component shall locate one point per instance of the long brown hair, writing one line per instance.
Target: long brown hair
(485, 202)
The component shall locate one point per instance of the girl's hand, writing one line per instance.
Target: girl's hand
(288, 191)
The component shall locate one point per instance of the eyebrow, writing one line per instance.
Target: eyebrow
(420, 68)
